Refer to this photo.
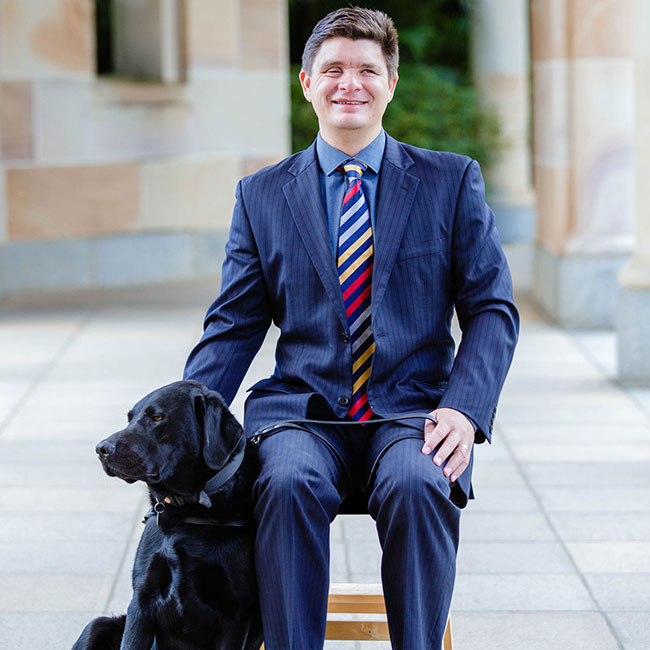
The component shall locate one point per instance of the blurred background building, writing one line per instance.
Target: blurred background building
(125, 125)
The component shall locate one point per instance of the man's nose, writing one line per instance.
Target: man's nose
(350, 80)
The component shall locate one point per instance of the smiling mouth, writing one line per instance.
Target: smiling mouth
(350, 103)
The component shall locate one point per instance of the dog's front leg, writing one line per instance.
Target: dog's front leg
(139, 631)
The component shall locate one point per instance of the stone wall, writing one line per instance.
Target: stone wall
(583, 96)
(107, 181)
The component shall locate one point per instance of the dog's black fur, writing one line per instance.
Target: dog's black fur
(193, 585)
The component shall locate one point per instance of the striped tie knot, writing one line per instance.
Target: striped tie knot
(354, 169)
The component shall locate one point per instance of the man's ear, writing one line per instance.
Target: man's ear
(305, 82)
(391, 86)
(221, 431)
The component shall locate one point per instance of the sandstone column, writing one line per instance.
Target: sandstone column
(583, 160)
(500, 64)
(633, 316)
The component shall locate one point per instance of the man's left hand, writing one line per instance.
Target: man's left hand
(456, 434)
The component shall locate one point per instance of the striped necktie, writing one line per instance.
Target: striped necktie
(355, 255)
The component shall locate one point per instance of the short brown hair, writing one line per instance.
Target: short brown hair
(355, 23)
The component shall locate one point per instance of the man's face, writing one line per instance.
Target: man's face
(349, 88)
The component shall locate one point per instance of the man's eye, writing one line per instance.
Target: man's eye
(157, 418)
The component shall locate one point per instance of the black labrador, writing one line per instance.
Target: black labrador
(193, 580)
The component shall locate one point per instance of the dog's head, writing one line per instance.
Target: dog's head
(174, 436)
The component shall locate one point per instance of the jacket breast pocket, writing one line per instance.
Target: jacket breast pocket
(428, 247)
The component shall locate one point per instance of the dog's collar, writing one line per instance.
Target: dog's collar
(227, 471)
(224, 474)
(159, 507)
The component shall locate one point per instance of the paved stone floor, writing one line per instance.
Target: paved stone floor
(555, 550)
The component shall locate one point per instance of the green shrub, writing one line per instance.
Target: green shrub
(432, 108)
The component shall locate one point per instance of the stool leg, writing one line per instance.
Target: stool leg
(447, 643)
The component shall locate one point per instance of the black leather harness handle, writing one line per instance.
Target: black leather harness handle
(262, 433)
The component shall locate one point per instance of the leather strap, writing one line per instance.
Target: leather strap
(262, 433)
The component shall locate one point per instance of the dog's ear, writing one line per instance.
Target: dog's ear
(221, 431)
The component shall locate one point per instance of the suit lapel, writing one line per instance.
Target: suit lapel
(303, 194)
(394, 202)
(396, 193)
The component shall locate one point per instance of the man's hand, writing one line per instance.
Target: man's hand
(457, 433)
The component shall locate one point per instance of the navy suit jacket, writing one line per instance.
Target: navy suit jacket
(435, 248)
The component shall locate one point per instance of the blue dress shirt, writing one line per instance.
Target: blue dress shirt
(333, 185)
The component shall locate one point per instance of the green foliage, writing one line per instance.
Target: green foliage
(304, 125)
(432, 108)
(433, 32)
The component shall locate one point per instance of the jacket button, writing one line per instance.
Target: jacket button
(344, 337)
(343, 400)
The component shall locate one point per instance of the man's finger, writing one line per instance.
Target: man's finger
(433, 437)
(445, 450)
(458, 462)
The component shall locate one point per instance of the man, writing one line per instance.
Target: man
(358, 249)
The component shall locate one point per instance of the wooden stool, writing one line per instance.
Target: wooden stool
(362, 599)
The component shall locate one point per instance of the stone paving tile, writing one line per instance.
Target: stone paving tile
(531, 631)
(61, 557)
(497, 452)
(121, 594)
(89, 432)
(336, 529)
(18, 527)
(357, 527)
(61, 475)
(508, 499)
(613, 526)
(339, 571)
(567, 414)
(573, 452)
(611, 557)
(54, 593)
(578, 433)
(513, 557)
(498, 474)
(601, 398)
(12, 391)
(364, 556)
(42, 630)
(641, 396)
(371, 578)
(45, 453)
(620, 592)
(545, 474)
(522, 592)
(66, 500)
(488, 526)
(606, 498)
(633, 628)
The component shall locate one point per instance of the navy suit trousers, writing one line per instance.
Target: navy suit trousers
(301, 484)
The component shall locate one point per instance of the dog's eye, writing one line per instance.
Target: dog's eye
(157, 418)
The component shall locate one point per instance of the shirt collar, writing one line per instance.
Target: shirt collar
(330, 158)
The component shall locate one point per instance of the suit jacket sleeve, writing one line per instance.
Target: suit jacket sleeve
(237, 321)
(484, 305)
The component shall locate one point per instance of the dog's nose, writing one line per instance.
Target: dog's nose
(105, 448)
